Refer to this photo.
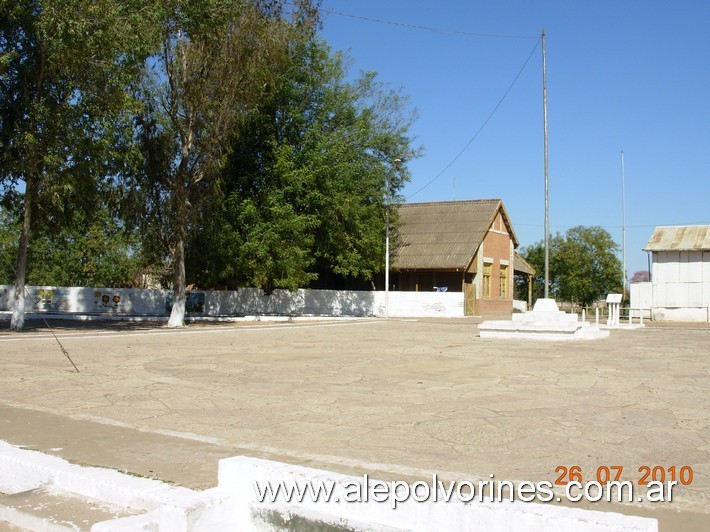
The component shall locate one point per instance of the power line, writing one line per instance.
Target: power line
(510, 87)
(427, 28)
(613, 226)
(450, 32)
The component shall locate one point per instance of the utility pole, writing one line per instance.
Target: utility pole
(547, 202)
(623, 230)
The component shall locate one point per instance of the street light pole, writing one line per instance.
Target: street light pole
(387, 238)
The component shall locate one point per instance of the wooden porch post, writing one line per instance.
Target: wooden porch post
(530, 291)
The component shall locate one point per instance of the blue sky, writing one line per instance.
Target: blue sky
(622, 75)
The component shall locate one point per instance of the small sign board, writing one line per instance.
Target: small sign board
(613, 298)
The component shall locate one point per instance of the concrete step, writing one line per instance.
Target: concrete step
(48, 510)
(8, 527)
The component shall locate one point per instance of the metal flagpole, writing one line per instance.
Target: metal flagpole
(387, 249)
(547, 203)
(623, 230)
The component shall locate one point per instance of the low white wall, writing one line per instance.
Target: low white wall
(420, 304)
(252, 301)
(241, 302)
(239, 475)
(234, 505)
(87, 300)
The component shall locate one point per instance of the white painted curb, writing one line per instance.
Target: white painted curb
(233, 505)
(237, 476)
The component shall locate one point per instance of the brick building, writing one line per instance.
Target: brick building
(462, 246)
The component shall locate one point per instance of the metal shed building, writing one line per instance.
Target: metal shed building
(680, 274)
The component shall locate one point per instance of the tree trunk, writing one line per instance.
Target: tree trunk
(17, 321)
(177, 315)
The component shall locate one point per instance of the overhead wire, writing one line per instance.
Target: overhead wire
(469, 34)
(451, 32)
(427, 28)
(612, 226)
(485, 122)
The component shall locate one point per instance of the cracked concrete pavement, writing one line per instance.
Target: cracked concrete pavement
(400, 399)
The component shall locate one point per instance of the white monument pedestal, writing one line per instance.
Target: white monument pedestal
(544, 322)
(613, 302)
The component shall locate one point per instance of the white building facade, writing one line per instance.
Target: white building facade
(680, 273)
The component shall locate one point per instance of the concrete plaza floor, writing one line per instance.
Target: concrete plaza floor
(398, 399)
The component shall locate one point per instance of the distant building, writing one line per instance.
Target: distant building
(460, 246)
(680, 275)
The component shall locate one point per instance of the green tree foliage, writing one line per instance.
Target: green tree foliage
(64, 69)
(305, 186)
(216, 60)
(9, 229)
(584, 266)
(95, 250)
(245, 142)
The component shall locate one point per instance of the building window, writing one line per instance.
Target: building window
(503, 281)
(487, 280)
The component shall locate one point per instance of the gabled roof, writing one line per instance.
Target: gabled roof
(521, 265)
(679, 238)
(444, 235)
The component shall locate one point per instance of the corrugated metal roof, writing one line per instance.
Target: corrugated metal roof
(679, 238)
(445, 234)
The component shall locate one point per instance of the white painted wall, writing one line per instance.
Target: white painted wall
(681, 285)
(641, 299)
(242, 302)
(419, 304)
(87, 300)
